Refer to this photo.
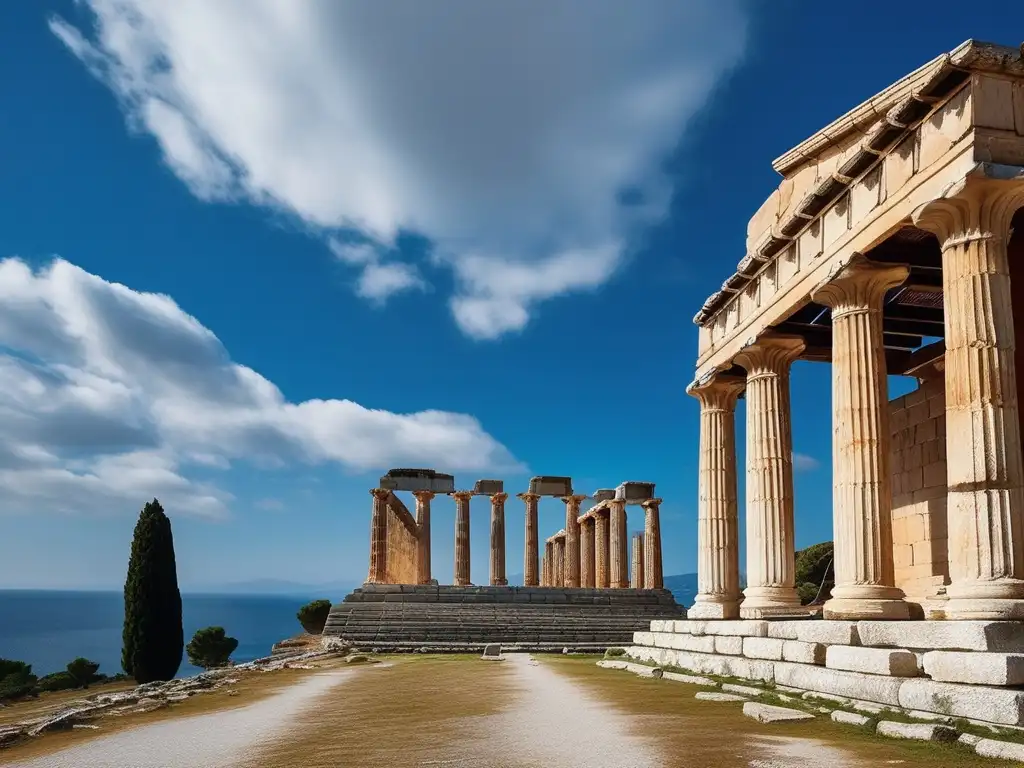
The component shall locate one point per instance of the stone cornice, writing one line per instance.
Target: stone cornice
(893, 114)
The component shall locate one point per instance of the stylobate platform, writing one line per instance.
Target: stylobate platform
(411, 617)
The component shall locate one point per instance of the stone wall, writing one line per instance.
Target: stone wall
(402, 543)
(920, 546)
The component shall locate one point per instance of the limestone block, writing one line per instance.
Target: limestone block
(418, 480)
(661, 639)
(931, 717)
(766, 713)
(976, 668)
(850, 718)
(874, 661)
(633, 492)
(742, 690)
(732, 646)
(679, 677)
(1004, 636)
(661, 625)
(690, 643)
(969, 739)
(803, 653)
(1002, 706)
(723, 666)
(548, 485)
(488, 487)
(716, 696)
(734, 627)
(853, 685)
(1004, 750)
(816, 631)
(763, 648)
(643, 638)
(604, 494)
(918, 731)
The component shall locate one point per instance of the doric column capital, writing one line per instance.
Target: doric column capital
(979, 207)
(528, 496)
(651, 503)
(381, 494)
(423, 495)
(717, 392)
(575, 500)
(769, 354)
(498, 498)
(461, 495)
(858, 283)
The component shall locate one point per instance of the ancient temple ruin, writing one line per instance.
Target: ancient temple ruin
(894, 245)
(579, 594)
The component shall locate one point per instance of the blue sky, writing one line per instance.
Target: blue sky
(257, 253)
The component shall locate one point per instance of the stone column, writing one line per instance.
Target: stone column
(861, 467)
(558, 564)
(462, 498)
(548, 564)
(423, 499)
(770, 553)
(618, 555)
(601, 548)
(636, 555)
(718, 559)
(652, 569)
(498, 540)
(530, 555)
(379, 537)
(572, 540)
(587, 572)
(985, 476)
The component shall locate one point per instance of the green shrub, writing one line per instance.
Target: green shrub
(16, 679)
(210, 647)
(611, 653)
(153, 635)
(313, 616)
(814, 566)
(82, 671)
(58, 681)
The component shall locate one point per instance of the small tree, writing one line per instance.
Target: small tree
(210, 647)
(814, 573)
(313, 616)
(153, 636)
(82, 671)
(16, 679)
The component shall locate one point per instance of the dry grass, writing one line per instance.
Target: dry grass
(417, 711)
(251, 686)
(716, 733)
(29, 709)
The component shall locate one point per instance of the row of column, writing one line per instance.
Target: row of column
(985, 499)
(582, 557)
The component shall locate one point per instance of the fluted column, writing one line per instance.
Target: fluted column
(572, 540)
(423, 499)
(498, 540)
(652, 568)
(636, 561)
(770, 552)
(547, 567)
(718, 558)
(861, 467)
(379, 537)
(601, 548)
(985, 476)
(462, 577)
(530, 553)
(587, 572)
(619, 543)
(558, 565)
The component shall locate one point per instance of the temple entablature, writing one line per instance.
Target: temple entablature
(857, 186)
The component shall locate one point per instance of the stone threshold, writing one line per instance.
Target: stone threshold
(929, 726)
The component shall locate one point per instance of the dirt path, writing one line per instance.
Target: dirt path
(211, 740)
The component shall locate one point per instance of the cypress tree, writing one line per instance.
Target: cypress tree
(153, 636)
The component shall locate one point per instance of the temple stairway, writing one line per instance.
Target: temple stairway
(448, 618)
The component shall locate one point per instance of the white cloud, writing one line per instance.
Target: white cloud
(110, 396)
(804, 463)
(378, 281)
(501, 128)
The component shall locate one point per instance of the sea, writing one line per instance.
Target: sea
(48, 629)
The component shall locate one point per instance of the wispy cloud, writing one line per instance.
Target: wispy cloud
(504, 132)
(804, 463)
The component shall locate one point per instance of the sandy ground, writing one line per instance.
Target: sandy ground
(212, 740)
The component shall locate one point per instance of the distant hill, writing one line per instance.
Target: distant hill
(683, 587)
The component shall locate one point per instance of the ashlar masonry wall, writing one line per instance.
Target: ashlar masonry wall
(920, 544)
(402, 544)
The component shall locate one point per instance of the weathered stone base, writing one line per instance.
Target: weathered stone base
(964, 669)
(403, 617)
(714, 610)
